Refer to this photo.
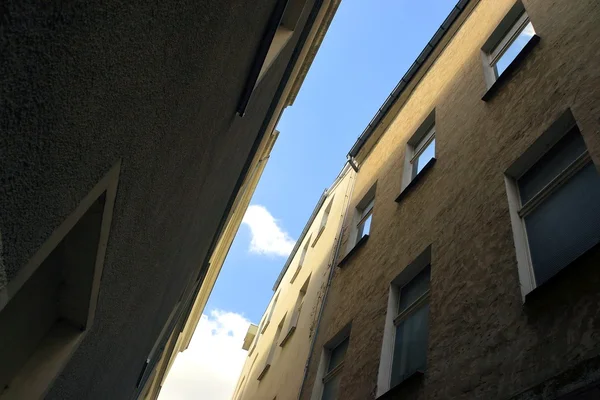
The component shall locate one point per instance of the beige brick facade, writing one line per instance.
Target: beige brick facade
(484, 342)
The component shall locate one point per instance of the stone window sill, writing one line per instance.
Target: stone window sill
(413, 379)
(512, 68)
(416, 180)
(357, 246)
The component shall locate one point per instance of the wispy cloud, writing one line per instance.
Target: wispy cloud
(267, 236)
(210, 367)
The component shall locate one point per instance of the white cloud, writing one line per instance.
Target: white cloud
(210, 367)
(267, 236)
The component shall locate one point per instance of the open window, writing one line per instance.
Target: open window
(420, 152)
(48, 308)
(512, 36)
(331, 365)
(554, 201)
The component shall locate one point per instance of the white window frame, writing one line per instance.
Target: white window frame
(519, 211)
(419, 149)
(322, 375)
(301, 260)
(507, 41)
(363, 216)
(415, 146)
(394, 317)
(508, 30)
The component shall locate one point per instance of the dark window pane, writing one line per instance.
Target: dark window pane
(551, 164)
(331, 388)
(414, 289)
(410, 345)
(565, 225)
(337, 355)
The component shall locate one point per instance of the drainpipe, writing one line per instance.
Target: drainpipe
(335, 253)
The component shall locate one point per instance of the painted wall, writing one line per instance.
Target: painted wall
(483, 342)
(284, 377)
(154, 84)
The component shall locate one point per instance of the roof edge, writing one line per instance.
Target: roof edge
(423, 57)
(308, 224)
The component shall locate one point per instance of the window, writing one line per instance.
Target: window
(271, 353)
(411, 322)
(264, 328)
(258, 333)
(506, 42)
(363, 227)
(405, 339)
(301, 260)
(423, 152)
(296, 314)
(420, 151)
(327, 384)
(331, 380)
(554, 200)
(323, 221)
(49, 307)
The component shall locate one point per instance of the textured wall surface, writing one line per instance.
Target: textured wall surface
(284, 377)
(483, 342)
(156, 84)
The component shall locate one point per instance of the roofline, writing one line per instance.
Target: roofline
(408, 76)
(318, 206)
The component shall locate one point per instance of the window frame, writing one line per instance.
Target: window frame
(519, 211)
(364, 215)
(415, 146)
(302, 259)
(394, 316)
(323, 375)
(502, 37)
(500, 49)
(418, 150)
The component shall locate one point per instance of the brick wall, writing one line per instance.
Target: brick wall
(484, 343)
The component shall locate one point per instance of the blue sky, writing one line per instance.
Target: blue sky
(368, 48)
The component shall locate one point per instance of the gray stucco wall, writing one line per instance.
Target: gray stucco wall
(154, 83)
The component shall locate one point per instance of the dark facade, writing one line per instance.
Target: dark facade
(490, 334)
(152, 89)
